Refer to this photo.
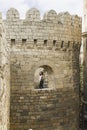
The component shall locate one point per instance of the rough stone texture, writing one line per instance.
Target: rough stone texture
(48, 109)
(4, 79)
(53, 44)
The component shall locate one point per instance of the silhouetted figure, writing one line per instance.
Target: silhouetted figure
(41, 80)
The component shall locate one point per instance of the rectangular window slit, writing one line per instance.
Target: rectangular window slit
(24, 41)
(45, 42)
(54, 42)
(35, 41)
(12, 42)
(62, 44)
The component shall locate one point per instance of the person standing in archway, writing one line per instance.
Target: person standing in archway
(41, 80)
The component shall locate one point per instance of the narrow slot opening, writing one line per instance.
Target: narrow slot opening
(62, 44)
(12, 42)
(35, 41)
(54, 42)
(45, 42)
(24, 41)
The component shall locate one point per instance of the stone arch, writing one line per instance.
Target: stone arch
(33, 15)
(48, 69)
(51, 15)
(12, 14)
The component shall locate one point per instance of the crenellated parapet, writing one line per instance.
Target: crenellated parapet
(34, 15)
(52, 30)
(51, 16)
(12, 15)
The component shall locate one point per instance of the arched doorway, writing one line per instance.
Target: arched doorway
(48, 76)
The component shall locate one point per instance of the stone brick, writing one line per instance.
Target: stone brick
(51, 44)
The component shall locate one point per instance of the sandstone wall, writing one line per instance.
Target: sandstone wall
(31, 105)
(52, 44)
(46, 109)
(4, 79)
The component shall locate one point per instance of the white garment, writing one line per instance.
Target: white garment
(40, 77)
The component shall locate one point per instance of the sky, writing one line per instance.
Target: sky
(72, 6)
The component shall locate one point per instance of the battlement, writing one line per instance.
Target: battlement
(53, 30)
(51, 16)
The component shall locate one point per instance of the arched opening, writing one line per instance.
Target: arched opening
(47, 74)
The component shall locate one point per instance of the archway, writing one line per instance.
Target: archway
(48, 76)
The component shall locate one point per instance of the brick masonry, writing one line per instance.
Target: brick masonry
(53, 44)
(54, 109)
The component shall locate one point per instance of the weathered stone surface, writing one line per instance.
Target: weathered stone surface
(46, 109)
(4, 79)
(51, 44)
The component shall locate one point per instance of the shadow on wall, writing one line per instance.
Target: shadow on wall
(48, 77)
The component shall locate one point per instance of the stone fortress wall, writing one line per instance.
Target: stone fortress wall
(40, 41)
(4, 78)
(53, 44)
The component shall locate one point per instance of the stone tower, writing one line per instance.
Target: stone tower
(51, 45)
